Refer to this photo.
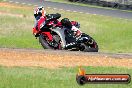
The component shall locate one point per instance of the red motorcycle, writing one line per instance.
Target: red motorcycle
(61, 37)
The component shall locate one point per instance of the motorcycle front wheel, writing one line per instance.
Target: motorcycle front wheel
(44, 42)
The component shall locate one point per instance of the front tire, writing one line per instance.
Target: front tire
(43, 42)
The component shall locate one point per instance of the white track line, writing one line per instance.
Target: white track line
(10, 1)
(94, 14)
(87, 13)
(17, 2)
(80, 12)
(48, 7)
(29, 4)
(60, 9)
(74, 11)
(35, 5)
(23, 3)
(68, 10)
(54, 8)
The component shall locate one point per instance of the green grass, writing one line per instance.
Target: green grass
(17, 33)
(111, 34)
(27, 77)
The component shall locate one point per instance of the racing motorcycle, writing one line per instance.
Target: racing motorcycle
(66, 39)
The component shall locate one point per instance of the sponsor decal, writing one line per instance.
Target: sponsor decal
(83, 78)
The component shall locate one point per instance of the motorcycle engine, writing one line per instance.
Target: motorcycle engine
(56, 38)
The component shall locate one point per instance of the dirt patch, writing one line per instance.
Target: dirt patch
(51, 59)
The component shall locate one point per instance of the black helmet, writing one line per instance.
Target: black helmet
(66, 22)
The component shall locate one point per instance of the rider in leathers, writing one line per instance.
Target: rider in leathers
(41, 19)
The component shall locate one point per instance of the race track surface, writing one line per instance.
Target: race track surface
(56, 59)
(76, 8)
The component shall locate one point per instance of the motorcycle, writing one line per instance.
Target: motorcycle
(62, 37)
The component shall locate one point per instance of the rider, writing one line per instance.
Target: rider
(40, 18)
(41, 21)
(73, 26)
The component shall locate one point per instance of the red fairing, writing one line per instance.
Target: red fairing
(59, 24)
(40, 22)
(48, 34)
(73, 23)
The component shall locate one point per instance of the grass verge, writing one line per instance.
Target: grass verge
(27, 77)
(111, 34)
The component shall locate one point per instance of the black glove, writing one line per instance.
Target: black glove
(37, 35)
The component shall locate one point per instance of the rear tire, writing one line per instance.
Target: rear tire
(89, 48)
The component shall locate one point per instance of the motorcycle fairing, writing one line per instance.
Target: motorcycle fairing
(48, 34)
(60, 32)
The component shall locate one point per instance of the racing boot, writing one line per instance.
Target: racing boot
(70, 45)
(82, 40)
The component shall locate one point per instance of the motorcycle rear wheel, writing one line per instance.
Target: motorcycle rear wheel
(87, 47)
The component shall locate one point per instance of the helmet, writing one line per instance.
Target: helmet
(39, 11)
(66, 22)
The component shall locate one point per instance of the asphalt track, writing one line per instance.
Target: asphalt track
(76, 8)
